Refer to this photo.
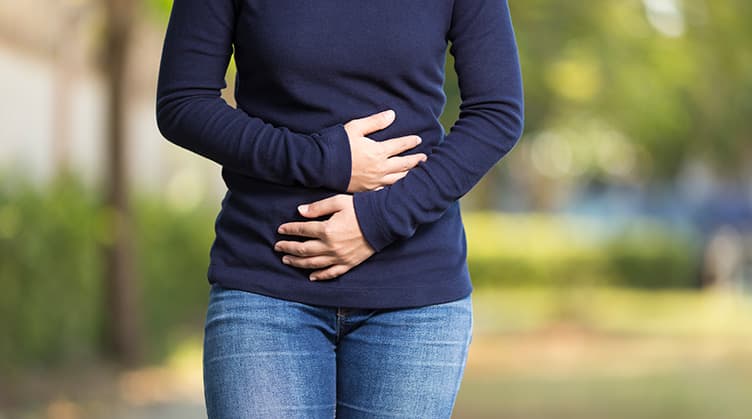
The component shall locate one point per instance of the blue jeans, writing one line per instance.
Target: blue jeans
(266, 357)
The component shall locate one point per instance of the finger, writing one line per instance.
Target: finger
(325, 206)
(371, 123)
(404, 163)
(399, 144)
(315, 262)
(313, 229)
(306, 249)
(329, 273)
(391, 178)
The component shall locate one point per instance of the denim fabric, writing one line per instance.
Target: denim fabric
(266, 357)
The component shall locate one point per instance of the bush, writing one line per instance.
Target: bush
(538, 249)
(48, 272)
(51, 270)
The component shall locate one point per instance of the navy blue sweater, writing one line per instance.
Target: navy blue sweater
(305, 68)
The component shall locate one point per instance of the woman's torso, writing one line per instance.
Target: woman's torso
(301, 66)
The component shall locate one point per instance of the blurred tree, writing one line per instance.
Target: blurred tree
(123, 337)
(69, 18)
(672, 76)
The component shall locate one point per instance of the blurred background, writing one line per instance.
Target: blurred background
(611, 250)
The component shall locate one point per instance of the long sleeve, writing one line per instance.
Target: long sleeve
(489, 125)
(191, 113)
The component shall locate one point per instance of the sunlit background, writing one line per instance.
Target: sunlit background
(610, 251)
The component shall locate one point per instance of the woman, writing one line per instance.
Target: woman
(359, 303)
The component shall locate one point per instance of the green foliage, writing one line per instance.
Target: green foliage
(550, 250)
(676, 83)
(172, 257)
(48, 272)
(51, 270)
(159, 10)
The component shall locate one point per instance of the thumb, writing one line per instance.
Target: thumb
(317, 209)
(371, 123)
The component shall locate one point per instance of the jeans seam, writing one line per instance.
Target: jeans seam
(338, 325)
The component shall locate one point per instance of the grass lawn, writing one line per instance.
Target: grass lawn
(606, 353)
(536, 353)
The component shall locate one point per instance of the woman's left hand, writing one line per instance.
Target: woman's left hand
(338, 243)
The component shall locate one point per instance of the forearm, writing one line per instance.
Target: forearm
(489, 125)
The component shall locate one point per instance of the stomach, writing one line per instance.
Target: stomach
(246, 230)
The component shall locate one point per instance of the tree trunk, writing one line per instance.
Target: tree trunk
(66, 50)
(123, 338)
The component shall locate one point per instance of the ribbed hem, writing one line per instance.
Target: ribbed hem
(445, 286)
(337, 158)
(370, 219)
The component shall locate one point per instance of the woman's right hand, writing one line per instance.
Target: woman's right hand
(373, 166)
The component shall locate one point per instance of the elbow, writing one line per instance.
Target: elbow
(163, 128)
(171, 104)
(517, 124)
(513, 125)
(180, 112)
(161, 107)
(161, 116)
(517, 118)
(165, 118)
(515, 114)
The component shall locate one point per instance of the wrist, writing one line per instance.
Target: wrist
(369, 216)
(337, 157)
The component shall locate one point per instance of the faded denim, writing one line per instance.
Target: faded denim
(266, 357)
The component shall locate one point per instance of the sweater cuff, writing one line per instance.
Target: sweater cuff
(370, 219)
(337, 157)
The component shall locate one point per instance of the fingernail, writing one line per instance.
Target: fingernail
(313, 278)
(420, 140)
(302, 208)
(286, 260)
(280, 229)
(389, 114)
